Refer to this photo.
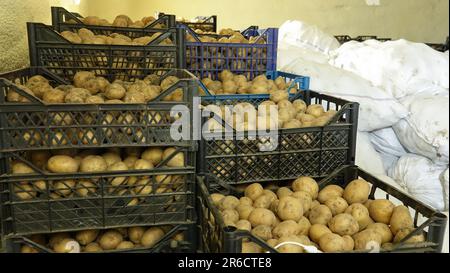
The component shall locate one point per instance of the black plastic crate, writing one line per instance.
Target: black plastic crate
(50, 50)
(297, 82)
(167, 244)
(237, 158)
(216, 237)
(208, 24)
(251, 59)
(63, 19)
(44, 202)
(36, 125)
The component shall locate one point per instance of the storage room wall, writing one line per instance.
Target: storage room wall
(415, 20)
(13, 34)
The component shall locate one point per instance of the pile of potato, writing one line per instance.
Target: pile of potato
(119, 21)
(333, 219)
(245, 117)
(86, 36)
(88, 88)
(92, 161)
(234, 37)
(94, 240)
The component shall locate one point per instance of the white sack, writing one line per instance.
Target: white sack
(377, 109)
(385, 141)
(306, 36)
(420, 177)
(366, 157)
(286, 54)
(400, 67)
(426, 130)
(444, 181)
(389, 161)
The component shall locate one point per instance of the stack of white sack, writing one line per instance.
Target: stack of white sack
(377, 109)
(417, 76)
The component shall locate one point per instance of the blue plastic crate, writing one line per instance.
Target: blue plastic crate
(300, 82)
(209, 59)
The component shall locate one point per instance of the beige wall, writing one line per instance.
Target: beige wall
(13, 35)
(416, 20)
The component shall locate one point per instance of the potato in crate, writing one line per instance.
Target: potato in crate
(139, 239)
(347, 211)
(71, 189)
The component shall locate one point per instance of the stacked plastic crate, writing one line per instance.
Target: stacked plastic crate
(38, 199)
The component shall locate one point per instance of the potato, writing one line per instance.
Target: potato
(315, 110)
(343, 224)
(308, 185)
(400, 219)
(230, 216)
(111, 158)
(357, 191)
(283, 191)
(229, 202)
(134, 97)
(226, 75)
(261, 216)
(381, 210)
(367, 239)
(251, 247)
(93, 163)
(291, 124)
(85, 237)
(286, 228)
(293, 248)
(299, 106)
(115, 91)
(304, 118)
(349, 244)
(304, 226)
(77, 95)
(54, 96)
(244, 225)
(331, 242)
(64, 188)
(130, 161)
(383, 230)
(135, 234)
(253, 191)
(62, 164)
(244, 211)
(246, 201)
(402, 233)
(305, 199)
(360, 213)
(263, 232)
(154, 155)
(94, 100)
(367, 203)
(264, 201)
(272, 243)
(151, 236)
(117, 167)
(57, 237)
(85, 188)
(330, 191)
(21, 168)
(67, 245)
(176, 161)
(290, 208)
(320, 214)
(279, 95)
(337, 205)
(217, 198)
(92, 247)
(110, 239)
(28, 249)
(387, 246)
(125, 245)
(142, 164)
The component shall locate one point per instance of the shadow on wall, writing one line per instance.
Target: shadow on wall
(13, 34)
